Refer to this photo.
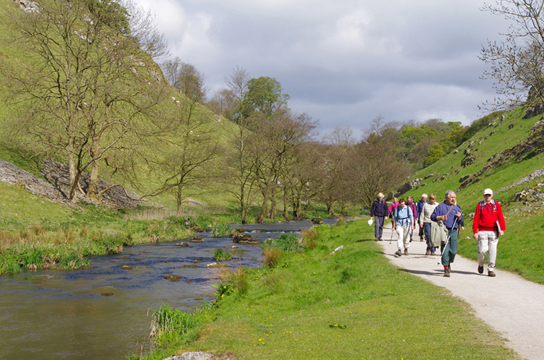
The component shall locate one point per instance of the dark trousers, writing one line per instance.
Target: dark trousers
(450, 248)
(378, 226)
(427, 227)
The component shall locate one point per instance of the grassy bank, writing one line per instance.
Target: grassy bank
(350, 305)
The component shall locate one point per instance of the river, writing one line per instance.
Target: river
(104, 312)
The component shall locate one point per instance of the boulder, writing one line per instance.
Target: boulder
(126, 267)
(191, 356)
(173, 277)
(196, 239)
(244, 239)
(183, 243)
(216, 265)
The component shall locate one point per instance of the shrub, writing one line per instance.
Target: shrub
(286, 242)
(271, 257)
(221, 230)
(221, 255)
(168, 322)
(309, 238)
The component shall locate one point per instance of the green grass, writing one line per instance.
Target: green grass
(221, 255)
(352, 305)
(286, 243)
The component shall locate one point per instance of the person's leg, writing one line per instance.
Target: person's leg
(482, 247)
(427, 227)
(400, 239)
(453, 245)
(407, 239)
(379, 223)
(492, 256)
(421, 231)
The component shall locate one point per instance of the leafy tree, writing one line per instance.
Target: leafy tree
(264, 95)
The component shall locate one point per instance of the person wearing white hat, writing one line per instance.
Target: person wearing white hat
(488, 225)
(379, 212)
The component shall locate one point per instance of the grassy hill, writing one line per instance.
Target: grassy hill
(521, 246)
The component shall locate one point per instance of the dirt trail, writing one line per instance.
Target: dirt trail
(509, 303)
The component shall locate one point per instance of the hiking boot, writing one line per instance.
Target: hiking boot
(411, 239)
(380, 238)
(480, 269)
(398, 253)
(428, 252)
(433, 252)
(375, 239)
(447, 272)
(405, 251)
(491, 273)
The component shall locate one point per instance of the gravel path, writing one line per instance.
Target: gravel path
(509, 303)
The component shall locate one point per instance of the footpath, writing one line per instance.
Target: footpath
(510, 304)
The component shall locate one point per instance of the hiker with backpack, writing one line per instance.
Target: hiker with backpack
(419, 207)
(487, 227)
(425, 218)
(403, 223)
(379, 211)
(393, 206)
(410, 203)
(451, 216)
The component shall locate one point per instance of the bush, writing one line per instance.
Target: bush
(272, 257)
(221, 230)
(286, 242)
(221, 255)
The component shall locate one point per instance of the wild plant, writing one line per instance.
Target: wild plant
(220, 230)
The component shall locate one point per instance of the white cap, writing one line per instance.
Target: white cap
(488, 192)
(424, 195)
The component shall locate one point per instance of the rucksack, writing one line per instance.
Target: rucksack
(482, 203)
(396, 213)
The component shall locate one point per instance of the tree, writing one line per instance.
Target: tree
(80, 85)
(264, 95)
(516, 64)
(186, 78)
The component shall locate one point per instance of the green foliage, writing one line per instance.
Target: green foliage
(286, 243)
(168, 323)
(436, 153)
(221, 255)
(223, 290)
(264, 95)
(221, 230)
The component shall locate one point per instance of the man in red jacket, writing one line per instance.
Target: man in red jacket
(488, 225)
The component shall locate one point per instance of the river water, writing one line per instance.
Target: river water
(66, 315)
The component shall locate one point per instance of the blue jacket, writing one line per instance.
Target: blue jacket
(379, 208)
(403, 216)
(419, 207)
(442, 209)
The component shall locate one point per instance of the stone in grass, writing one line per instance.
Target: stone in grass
(196, 239)
(216, 265)
(126, 267)
(173, 277)
(183, 243)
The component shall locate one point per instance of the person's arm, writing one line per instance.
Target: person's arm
(476, 224)
(502, 223)
(372, 210)
(434, 215)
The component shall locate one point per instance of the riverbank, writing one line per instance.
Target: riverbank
(350, 305)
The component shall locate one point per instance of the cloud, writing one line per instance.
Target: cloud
(343, 62)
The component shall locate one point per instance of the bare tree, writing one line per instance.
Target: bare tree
(186, 78)
(80, 84)
(516, 64)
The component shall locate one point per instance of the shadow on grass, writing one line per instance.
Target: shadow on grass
(364, 240)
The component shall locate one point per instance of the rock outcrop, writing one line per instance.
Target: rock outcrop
(244, 239)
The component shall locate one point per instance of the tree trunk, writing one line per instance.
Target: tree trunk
(95, 167)
(179, 198)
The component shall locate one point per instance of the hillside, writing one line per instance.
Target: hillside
(506, 156)
(134, 154)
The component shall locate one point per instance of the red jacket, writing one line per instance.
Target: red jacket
(486, 217)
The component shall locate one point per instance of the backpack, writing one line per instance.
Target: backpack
(482, 203)
(396, 213)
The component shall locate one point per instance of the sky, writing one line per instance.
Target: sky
(343, 62)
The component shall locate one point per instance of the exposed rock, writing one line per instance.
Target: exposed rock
(116, 197)
(530, 147)
(234, 247)
(216, 265)
(468, 161)
(191, 356)
(196, 239)
(172, 277)
(198, 298)
(456, 151)
(244, 239)
(533, 111)
(126, 267)
(464, 178)
(13, 175)
(106, 294)
(183, 243)
(240, 230)
(196, 261)
(510, 127)
(530, 177)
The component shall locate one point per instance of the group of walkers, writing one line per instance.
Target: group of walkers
(439, 226)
